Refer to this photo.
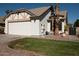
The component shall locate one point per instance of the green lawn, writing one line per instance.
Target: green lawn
(47, 47)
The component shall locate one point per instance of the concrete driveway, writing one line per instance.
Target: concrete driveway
(6, 51)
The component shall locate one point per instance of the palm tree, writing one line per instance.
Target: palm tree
(55, 19)
(8, 11)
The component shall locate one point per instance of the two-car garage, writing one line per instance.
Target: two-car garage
(23, 28)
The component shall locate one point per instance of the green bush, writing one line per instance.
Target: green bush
(66, 27)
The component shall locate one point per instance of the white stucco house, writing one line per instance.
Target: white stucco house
(28, 21)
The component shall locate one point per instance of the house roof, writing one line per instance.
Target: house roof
(19, 11)
(36, 12)
(24, 10)
(33, 12)
(39, 11)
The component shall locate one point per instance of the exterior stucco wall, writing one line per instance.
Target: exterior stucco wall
(20, 16)
(35, 27)
(77, 30)
(44, 23)
(6, 26)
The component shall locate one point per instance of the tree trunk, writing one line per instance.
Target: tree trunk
(56, 30)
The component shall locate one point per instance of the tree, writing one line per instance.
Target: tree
(8, 11)
(76, 24)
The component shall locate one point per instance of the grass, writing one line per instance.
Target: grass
(47, 47)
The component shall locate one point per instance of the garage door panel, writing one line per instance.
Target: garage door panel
(20, 28)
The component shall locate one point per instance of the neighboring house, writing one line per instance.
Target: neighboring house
(76, 24)
(30, 21)
(72, 29)
(2, 24)
(77, 30)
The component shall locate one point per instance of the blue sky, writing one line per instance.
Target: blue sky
(72, 8)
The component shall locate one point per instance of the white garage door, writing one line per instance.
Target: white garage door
(20, 28)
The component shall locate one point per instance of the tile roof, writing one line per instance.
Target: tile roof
(39, 11)
(24, 10)
(33, 12)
